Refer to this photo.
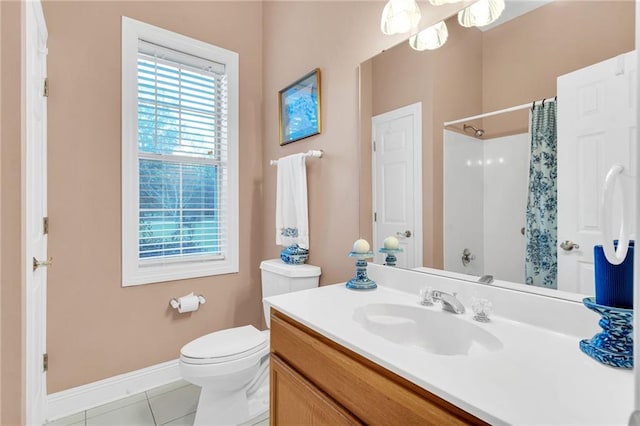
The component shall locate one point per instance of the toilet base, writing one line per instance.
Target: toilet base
(215, 409)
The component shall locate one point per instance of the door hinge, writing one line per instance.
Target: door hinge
(374, 146)
(375, 217)
(45, 362)
(45, 225)
(45, 91)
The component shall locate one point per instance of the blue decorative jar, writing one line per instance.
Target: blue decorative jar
(294, 255)
(614, 283)
(361, 281)
(391, 258)
(614, 345)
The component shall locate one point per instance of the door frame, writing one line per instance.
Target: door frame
(33, 19)
(414, 110)
(636, 260)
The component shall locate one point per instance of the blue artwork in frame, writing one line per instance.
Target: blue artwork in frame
(299, 106)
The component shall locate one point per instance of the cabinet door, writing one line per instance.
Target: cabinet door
(295, 401)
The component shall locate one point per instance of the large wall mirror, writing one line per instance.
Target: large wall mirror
(458, 197)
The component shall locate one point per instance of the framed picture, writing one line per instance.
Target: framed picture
(299, 106)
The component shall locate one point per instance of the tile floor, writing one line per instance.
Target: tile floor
(171, 405)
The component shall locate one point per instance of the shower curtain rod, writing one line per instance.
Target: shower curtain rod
(501, 111)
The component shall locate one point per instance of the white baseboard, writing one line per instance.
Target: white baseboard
(74, 400)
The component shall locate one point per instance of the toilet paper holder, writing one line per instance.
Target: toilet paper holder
(175, 304)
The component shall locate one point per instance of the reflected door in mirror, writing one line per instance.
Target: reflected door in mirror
(397, 193)
(596, 129)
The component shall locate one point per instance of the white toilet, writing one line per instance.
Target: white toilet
(232, 365)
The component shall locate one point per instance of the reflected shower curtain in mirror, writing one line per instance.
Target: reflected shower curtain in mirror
(541, 262)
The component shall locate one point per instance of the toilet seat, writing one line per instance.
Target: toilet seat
(225, 346)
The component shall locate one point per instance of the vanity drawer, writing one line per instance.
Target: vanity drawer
(371, 393)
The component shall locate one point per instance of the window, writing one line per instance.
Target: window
(179, 156)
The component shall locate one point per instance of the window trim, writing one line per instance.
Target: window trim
(133, 272)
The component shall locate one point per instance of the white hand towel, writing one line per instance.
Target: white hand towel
(292, 218)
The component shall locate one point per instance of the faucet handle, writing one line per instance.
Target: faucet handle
(481, 308)
(426, 296)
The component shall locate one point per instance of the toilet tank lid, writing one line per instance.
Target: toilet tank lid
(277, 266)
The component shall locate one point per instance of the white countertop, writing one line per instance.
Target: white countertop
(539, 377)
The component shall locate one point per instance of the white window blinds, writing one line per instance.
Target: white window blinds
(182, 156)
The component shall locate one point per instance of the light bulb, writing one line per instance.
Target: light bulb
(481, 13)
(431, 38)
(399, 16)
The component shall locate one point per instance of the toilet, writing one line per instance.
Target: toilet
(232, 366)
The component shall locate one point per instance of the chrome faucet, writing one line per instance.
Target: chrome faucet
(449, 301)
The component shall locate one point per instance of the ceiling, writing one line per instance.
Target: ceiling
(513, 9)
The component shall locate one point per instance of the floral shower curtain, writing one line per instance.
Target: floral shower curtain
(541, 262)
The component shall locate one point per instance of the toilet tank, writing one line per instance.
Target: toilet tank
(279, 277)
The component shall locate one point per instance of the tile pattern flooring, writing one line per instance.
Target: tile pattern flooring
(171, 405)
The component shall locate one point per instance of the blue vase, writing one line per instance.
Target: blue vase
(294, 255)
(614, 283)
(614, 345)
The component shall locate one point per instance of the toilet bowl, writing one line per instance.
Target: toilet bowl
(232, 366)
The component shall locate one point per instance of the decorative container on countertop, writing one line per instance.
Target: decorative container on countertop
(361, 281)
(294, 255)
(614, 283)
(391, 258)
(614, 345)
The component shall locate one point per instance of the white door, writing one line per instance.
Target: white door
(596, 129)
(397, 182)
(35, 212)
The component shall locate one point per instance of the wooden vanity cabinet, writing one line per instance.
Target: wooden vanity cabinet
(315, 381)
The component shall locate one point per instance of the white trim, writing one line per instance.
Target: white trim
(416, 111)
(74, 400)
(133, 273)
(636, 260)
(34, 196)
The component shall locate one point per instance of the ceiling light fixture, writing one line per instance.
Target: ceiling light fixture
(481, 13)
(399, 16)
(431, 38)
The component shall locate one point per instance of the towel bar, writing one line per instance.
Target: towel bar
(316, 153)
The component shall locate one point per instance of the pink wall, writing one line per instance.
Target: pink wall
(293, 45)
(336, 37)
(96, 328)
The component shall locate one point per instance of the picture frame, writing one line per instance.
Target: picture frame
(299, 106)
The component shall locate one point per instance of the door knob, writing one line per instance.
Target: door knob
(38, 263)
(405, 234)
(569, 245)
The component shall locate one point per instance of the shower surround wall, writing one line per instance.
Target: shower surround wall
(506, 174)
(463, 202)
(485, 200)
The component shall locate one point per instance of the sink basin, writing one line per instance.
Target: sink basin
(437, 332)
